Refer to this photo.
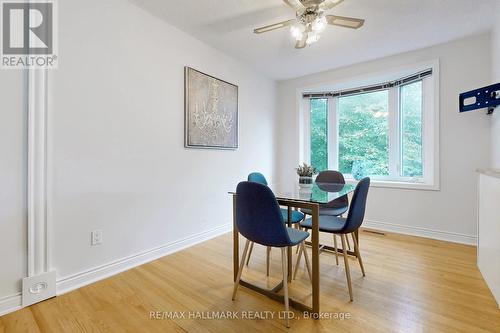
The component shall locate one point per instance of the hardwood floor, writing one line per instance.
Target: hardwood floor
(411, 285)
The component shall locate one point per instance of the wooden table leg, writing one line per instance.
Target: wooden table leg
(315, 258)
(289, 249)
(236, 242)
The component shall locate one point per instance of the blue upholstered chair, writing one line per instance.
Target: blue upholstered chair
(335, 208)
(259, 220)
(297, 216)
(345, 226)
(340, 205)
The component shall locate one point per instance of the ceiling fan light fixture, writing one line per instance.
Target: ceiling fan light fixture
(312, 37)
(319, 24)
(297, 31)
(311, 20)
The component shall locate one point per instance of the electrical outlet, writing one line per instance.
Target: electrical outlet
(38, 288)
(96, 237)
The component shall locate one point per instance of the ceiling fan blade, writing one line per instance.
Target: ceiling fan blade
(302, 42)
(274, 26)
(347, 22)
(329, 4)
(295, 4)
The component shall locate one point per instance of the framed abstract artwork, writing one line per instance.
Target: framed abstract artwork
(211, 111)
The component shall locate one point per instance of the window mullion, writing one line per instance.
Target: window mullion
(394, 134)
(428, 131)
(333, 139)
(306, 130)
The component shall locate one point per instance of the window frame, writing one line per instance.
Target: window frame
(430, 133)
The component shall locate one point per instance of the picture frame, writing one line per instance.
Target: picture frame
(210, 112)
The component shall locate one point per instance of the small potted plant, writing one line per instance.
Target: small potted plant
(305, 173)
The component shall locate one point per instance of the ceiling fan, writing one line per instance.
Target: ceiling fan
(311, 20)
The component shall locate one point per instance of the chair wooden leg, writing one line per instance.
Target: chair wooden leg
(346, 263)
(306, 258)
(298, 246)
(358, 254)
(297, 263)
(335, 249)
(268, 255)
(284, 263)
(250, 252)
(242, 263)
(297, 226)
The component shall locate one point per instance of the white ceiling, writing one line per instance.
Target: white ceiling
(391, 27)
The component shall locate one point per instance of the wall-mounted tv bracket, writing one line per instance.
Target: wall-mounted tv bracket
(486, 97)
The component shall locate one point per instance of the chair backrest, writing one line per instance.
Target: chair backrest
(330, 176)
(257, 177)
(258, 215)
(335, 177)
(358, 205)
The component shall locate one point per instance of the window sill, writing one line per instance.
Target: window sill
(399, 185)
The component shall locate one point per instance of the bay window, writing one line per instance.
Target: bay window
(386, 131)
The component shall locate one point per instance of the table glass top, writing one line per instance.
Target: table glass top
(321, 193)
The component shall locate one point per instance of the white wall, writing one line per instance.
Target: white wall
(13, 152)
(495, 129)
(117, 160)
(450, 213)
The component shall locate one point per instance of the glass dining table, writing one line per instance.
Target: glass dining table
(309, 198)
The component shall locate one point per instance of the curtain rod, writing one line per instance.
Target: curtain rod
(375, 87)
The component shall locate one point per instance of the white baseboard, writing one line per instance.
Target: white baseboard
(10, 304)
(75, 281)
(421, 232)
(66, 284)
